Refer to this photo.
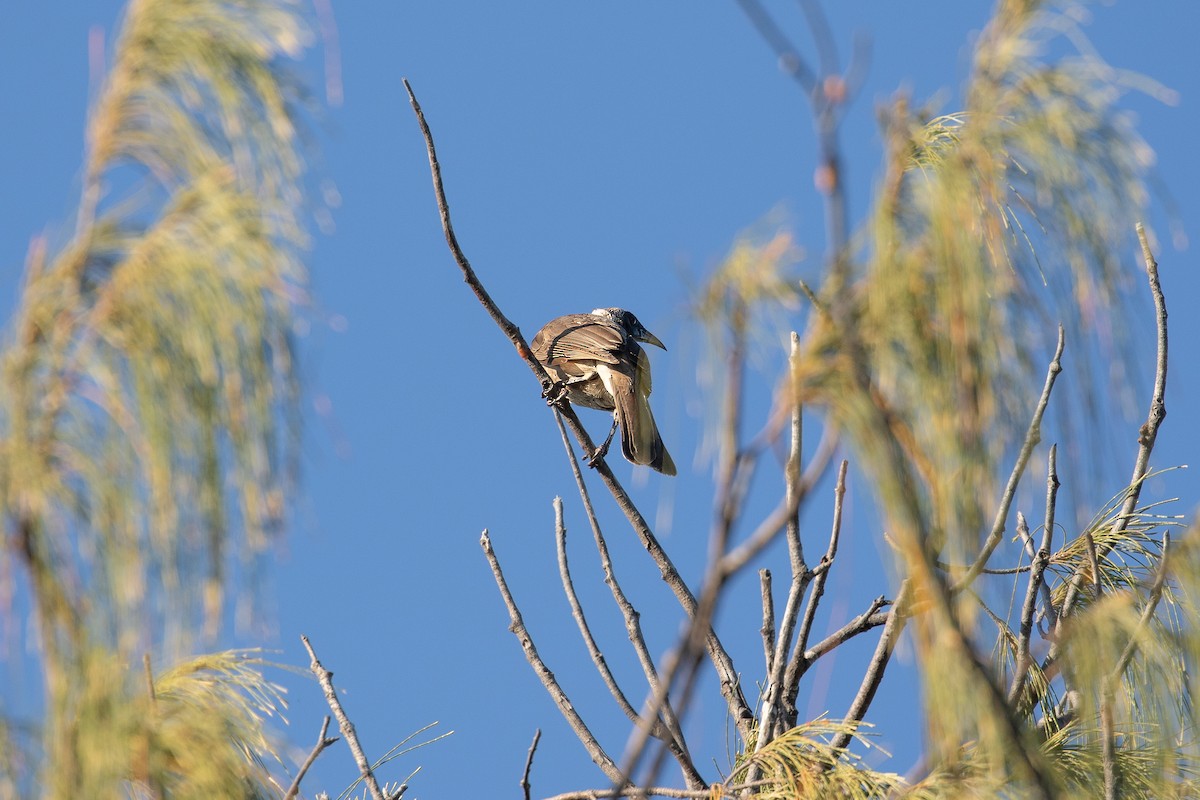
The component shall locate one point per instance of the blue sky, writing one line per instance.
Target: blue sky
(594, 155)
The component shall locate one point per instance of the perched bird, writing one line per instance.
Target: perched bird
(595, 361)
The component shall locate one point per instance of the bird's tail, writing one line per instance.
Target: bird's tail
(640, 441)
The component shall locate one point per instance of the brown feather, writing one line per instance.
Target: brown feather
(605, 368)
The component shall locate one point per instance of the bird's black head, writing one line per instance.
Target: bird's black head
(630, 324)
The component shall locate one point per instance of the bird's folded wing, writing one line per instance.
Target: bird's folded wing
(589, 339)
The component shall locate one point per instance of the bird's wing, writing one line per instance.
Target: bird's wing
(580, 337)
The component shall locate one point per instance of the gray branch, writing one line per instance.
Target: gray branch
(318, 748)
(730, 684)
(1032, 437)
(1147, 434)
(325, 677)
(517, 626)
(1040, 560)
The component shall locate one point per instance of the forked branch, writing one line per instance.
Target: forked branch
(723, 664)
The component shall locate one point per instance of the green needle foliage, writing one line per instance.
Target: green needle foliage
(989, 226)
(148, 404)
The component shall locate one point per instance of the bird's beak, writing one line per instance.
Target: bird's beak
(650, 338)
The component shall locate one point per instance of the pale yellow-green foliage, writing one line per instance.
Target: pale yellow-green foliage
(147, 414)
(989, 226)
(802, 763)
(199, 735)
(992, 224)
(744, 305)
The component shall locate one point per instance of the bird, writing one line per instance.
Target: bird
(594, 360)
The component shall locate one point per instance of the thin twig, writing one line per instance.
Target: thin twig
(801, 574)
(714, 792)
(511, 330)
(1147, 434)
(565, 707)
(1032, 436)
(822, 570)
(820, 573)
(1094, 560)
(325, 677)
(792, 474)
(1108, 747)
(1040, 560)
(862, 623)
(822, 35)
(537, 736)
(768, 619)
(1018, 570)
(322, 742)
(878, 665)
(789, 59)
(633, 626)
(560, 541)
(149, 674)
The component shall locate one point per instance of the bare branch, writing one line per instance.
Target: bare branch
(585, 631)
(511, 330)
(796, 666)
(318, 748)
(537, 737)
(730, 686)
(715, 792)
(801, 574)
(863, 622)
(792, 473)
(768, 620)
(633, 628)
(822, 34)
(789, 59)
(879, 661)
(1040, 559)
(1032, 436)
(1147, 434)
(1108, 747)
(565, 707)
(325, 677)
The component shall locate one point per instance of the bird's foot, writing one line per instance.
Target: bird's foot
(554, 392)
(600, 453)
